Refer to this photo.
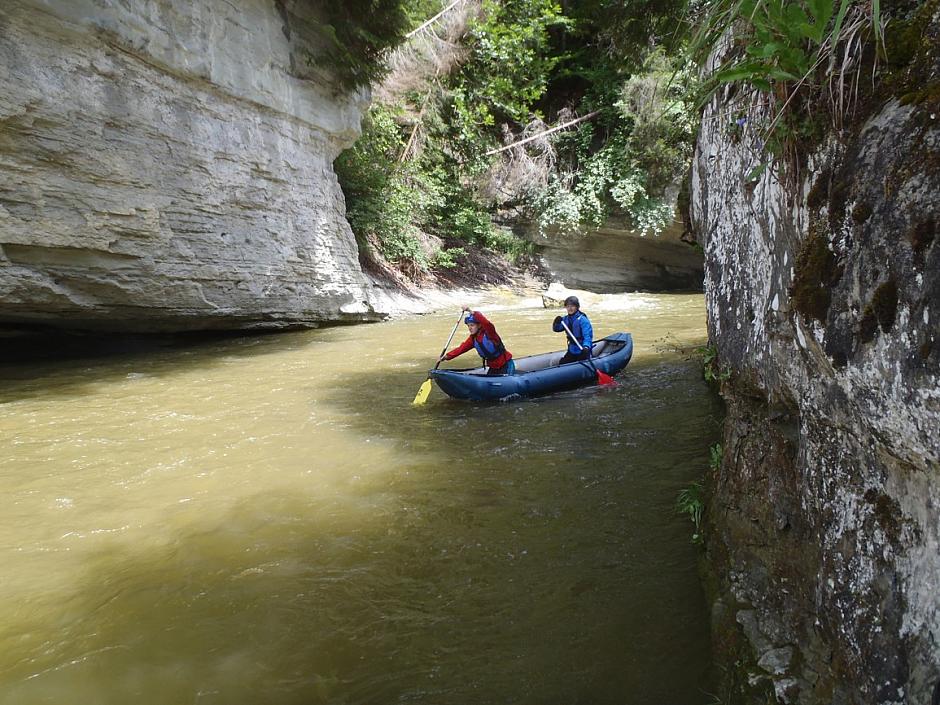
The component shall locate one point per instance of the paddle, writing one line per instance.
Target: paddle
(425, 389)
(603, 379)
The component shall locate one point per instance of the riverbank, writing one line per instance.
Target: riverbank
(479, 275)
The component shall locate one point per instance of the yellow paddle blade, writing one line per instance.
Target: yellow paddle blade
(423, 392)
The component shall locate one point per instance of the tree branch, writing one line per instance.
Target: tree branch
(542, 134)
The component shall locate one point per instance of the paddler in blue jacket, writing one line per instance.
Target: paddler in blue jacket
(580, 327)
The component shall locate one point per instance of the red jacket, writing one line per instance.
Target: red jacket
(486, 338)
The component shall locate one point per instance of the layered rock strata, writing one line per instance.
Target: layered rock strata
(167, 165)
(823, 293)
(615, 258)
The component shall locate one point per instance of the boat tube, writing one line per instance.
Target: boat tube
(537, 374)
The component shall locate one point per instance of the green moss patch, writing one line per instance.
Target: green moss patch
(819, 193)
(816, 271)
(881, 311)
(861, 212)
(887, 513)
(924, 97)
(838, 196)
(885, 304)
(909, 50)
(922, 235)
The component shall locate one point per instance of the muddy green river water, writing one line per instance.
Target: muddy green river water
(268, 519)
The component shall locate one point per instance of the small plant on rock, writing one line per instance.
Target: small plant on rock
(712, 371)
(691, 502)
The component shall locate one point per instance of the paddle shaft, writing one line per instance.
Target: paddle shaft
(581, 348)
(571, 335)
(425, 389)
(447, 344)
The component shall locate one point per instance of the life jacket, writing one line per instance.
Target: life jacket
(486, 348)
(574, 325)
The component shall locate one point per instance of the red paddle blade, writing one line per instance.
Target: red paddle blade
(605, 380)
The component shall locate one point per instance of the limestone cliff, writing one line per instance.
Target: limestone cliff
(167, 165)
(615, 258)
(823, 293)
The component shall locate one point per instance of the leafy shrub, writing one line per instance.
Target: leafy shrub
(646, 144)
(381, 200)
(658, 103)
(783, 37)
(691, 499)
(446, 258)
(391, 202)
(507, 71)
(524, 57)
(715, 455)
(357, 34)
(790, 52)
(712, 371)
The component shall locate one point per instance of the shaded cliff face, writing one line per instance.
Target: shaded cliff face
(824, 301)
(615, 258)
(167, 165)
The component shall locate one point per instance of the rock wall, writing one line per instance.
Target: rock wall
(823, 293)
(167, 165)
(614, 259)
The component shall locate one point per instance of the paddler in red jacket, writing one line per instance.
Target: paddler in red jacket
(489, 346)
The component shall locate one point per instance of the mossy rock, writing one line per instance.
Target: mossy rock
(923, 235)
(880, 312)
(817, 271)
(861, 212)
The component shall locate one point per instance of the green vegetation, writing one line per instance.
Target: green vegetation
(712, 371)
(817, 270)
(691, 499)
(447, 258)
(435, 165)
(715, 455)
(429, 166)
(392, 202)
(383, 195)
(646, 139)
(787, 38)
(800, 58)
(356, 34)
(506, 73)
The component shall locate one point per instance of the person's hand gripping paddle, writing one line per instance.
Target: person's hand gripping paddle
(425, 389)
(602, 379)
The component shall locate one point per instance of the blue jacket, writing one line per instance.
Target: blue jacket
(581, 327)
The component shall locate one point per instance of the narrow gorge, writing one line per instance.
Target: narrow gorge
(170, 166)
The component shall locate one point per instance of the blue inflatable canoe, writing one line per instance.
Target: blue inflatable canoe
(537, 374)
